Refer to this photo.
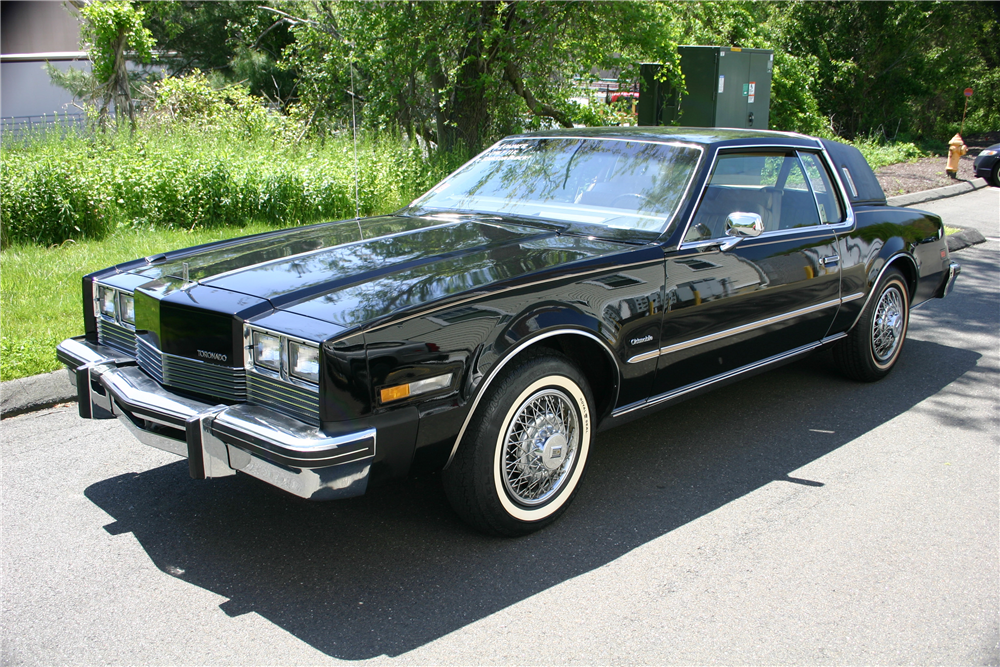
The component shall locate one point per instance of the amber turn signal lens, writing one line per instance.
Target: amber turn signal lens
(414, 388)
(395, 393)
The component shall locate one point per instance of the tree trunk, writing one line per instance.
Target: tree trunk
(119, 83)
(438, 82)
(469, 109)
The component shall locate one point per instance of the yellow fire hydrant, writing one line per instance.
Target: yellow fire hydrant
(956, 149)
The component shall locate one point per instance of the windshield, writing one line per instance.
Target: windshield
(615, 183)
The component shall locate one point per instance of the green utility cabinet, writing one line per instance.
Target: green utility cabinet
(726, 87)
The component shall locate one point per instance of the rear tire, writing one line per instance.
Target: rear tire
(525, 451)
(872, 347)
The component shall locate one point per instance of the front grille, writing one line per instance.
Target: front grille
(285, 397)
(222, 382)
(115, 335)
(230, 385)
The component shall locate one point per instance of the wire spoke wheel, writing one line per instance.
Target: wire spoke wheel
(887, 325)
(521, 461)
(540, 447)
(873, 346)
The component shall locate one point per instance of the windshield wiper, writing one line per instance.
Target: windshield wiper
(485, 216)
(617, 234)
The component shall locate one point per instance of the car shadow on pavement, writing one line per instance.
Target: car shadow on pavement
(393, 570)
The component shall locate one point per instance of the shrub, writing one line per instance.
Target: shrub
(880, 153)
(193, 176)
(192, 100)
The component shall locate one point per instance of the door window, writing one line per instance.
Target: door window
(773, 185)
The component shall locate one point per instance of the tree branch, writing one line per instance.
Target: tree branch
(513, 77)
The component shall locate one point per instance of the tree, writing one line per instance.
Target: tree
(109, 28)
(891, 67)
(463, 73)
(229, 41)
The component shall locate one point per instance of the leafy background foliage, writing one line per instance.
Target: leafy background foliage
(105, 23)
(254, 118)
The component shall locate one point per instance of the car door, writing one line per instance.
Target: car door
(732, 304)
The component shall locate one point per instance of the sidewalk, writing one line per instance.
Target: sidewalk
(43, 391)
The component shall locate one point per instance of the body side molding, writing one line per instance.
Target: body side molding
(675, 393)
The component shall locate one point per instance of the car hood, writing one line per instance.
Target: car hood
(351, 272)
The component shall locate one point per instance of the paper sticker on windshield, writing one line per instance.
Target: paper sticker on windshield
(516, 151)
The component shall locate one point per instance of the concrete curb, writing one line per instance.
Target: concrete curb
(35, 393)
(964, 239)
(937, 193)
(43, 391)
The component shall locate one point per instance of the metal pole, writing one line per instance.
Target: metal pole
(962, 127)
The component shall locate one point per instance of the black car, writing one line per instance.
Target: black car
(987, 164)
(558, 283)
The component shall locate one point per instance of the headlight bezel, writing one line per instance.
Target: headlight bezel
(273, 342)
(285, 369)
(295, 358)
(109, 305)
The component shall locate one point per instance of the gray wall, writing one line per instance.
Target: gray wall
(32, 33)
(38, 27)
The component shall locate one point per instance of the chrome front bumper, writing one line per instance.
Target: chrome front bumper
(218, 440)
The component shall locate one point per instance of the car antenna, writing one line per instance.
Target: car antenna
(354, 127)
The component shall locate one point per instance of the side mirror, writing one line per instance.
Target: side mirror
(742, 224)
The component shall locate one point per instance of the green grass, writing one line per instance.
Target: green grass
(40, 290)
(74, 204)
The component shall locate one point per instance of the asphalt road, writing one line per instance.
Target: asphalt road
(792, 518)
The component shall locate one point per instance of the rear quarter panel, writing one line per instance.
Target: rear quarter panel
(908, 239)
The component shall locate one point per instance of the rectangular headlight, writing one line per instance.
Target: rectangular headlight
(106, 298)
(267, 351)
(127, 304)
(303, 362)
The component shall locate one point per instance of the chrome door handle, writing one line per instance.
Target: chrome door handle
(832, 259)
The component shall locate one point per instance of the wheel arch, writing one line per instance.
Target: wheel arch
(602, 371)
(905, 264)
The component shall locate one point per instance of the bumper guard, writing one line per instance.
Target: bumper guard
(954, 268)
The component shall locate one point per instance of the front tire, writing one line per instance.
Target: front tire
(872, 348)
(526, 448)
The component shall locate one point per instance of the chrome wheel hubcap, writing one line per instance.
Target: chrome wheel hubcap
(540, 447)
(887, 326)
